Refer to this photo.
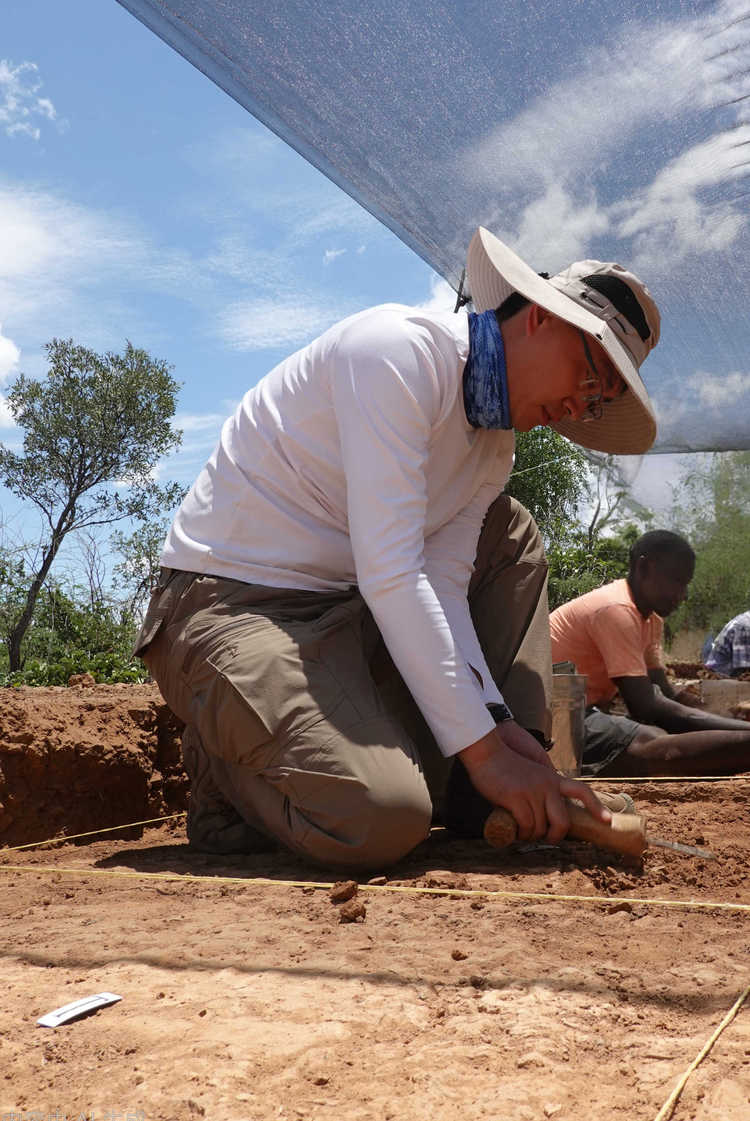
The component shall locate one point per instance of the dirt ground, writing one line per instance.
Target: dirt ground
(529, 984)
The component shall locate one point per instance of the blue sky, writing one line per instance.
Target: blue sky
(138, 201)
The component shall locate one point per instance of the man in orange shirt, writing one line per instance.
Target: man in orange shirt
(613, 636)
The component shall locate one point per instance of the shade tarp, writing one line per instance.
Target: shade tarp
(594, 129)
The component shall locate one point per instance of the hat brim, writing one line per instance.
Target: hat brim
(627, 425)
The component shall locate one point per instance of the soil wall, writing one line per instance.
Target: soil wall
(86, 757)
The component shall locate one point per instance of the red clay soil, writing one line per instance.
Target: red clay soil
(540, 982)
(74, 759)
(697, 669)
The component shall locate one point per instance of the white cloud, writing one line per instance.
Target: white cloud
(235, 258)
(9, 357)
(652, 81)
(20, 107)
(332, 254)
(441, 298)
(654, 72)
(556, 228)
(264, 323)
(199, 422)
(581, 120)
(250, 168)
(703, 165)
(653, 479)
(669, 219)
(51, 246)
(57, 253)
(715, 391)
(709, 413)
(703, 394)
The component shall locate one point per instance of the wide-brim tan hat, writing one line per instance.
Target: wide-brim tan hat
(627, 425)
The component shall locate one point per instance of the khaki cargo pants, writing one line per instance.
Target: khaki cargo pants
(306, 726)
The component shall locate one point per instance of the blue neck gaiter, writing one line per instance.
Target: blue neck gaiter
(485, 379)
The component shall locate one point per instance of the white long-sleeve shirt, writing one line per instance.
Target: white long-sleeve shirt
(352, 462)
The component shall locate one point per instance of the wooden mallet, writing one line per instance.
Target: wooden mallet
(626, 833)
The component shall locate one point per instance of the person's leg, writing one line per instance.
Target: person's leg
(508, 600)
(213, 824)
(656, 752)
(277, 689)
(399, 702)
(618, 747)
(606, 737)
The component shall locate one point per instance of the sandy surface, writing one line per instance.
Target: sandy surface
(465, 987)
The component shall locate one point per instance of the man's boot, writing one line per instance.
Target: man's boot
(213, 824)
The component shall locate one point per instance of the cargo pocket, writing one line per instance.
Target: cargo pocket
(160, 604)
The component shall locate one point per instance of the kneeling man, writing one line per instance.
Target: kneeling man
(346, 590)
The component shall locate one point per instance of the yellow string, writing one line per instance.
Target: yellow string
(182, 813)
(254, 881)
(92, 833)
(644, 779)
(667, 1109)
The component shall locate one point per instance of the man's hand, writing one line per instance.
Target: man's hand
(511, 774)
(648, 706)
(518, 739)
(689, 696)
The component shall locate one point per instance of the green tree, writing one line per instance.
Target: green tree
(712, 509)
(550, 478)
(582, 563)
(94, 429)
(13, 584)
(612, 505)
(137, 571)
(574, 495)
(71, 633)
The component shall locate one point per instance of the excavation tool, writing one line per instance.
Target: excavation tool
(626, 833)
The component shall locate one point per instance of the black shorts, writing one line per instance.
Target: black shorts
(606, 737)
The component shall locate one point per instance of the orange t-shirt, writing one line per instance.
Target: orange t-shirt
(605, 636)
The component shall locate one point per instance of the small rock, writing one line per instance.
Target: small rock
(322, 1080)
(550, 1109)
(621, 905)
(85, 680)
(378, 881)
(491, 1003)
(530, 1059)
(458, 955)
(352, 911)
(343, 890)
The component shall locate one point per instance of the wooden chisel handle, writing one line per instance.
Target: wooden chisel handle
(626, 833)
